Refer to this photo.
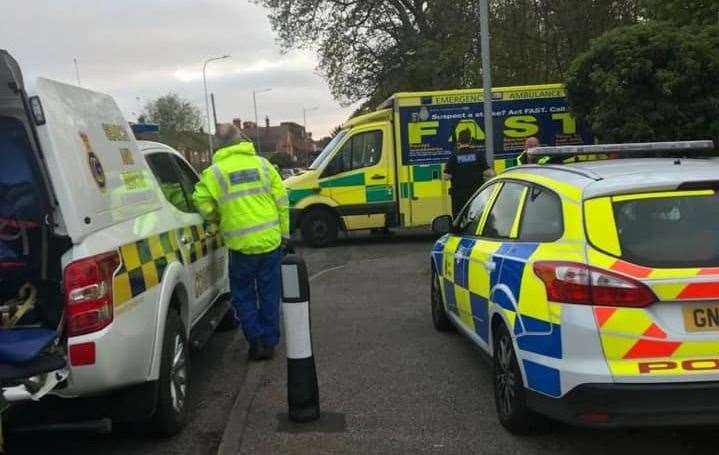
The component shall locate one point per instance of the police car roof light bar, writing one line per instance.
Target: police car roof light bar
(642, 147)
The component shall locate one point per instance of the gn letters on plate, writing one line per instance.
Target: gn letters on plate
(701, 317)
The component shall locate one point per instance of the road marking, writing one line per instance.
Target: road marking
(331, 269)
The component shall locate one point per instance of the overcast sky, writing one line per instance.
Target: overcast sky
(144, 48)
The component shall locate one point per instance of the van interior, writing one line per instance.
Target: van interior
(31, 295)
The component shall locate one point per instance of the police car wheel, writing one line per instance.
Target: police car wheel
(439, 315)
(173, 385)
(509, 394)
(319, 227)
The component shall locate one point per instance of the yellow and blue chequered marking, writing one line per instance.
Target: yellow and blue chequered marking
(463, 297)
(201, 244)
(143, 265)
(144, 261)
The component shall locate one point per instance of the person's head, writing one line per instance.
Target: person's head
(464, 137)
(531, 143)
(228, 134)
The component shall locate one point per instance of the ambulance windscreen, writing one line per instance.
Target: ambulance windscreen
(327, 151)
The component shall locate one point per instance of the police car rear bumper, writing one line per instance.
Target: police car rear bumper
(633, 405)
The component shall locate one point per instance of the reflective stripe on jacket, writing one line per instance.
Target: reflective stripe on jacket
(244, 194)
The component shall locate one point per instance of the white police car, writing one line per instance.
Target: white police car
(107, 273)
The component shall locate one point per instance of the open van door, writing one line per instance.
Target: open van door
(96, 168)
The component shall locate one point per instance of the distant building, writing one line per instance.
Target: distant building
(287, 137)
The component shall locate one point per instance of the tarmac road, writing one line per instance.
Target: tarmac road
(402, 387)
(389, 383)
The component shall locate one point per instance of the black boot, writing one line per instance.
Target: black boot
(256, 350)
(268, 352)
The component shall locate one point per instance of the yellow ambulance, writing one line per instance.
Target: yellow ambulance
(384, 169)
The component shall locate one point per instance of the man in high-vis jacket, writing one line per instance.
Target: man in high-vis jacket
(243, 193)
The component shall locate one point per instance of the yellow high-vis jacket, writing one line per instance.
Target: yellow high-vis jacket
(243, 193)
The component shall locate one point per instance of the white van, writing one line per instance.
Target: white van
(107, 273)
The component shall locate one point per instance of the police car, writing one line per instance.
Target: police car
(107, 273)
(594, 286)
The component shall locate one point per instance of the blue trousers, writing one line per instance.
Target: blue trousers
(256, 286)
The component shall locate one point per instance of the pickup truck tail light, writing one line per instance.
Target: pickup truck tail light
(573, 282)
(88, 293)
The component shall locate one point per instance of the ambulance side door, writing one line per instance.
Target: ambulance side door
(360, 178)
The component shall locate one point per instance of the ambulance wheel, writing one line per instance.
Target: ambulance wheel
(172, 387)
(510, 397)
(439, 314)
(319, 227)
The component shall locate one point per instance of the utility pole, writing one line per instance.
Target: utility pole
(207, 101)
(487, 81)
(77, 72)
(257, 120)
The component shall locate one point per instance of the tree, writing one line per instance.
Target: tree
(282, 159)
(649, 82)
(683, 12)
(535, 41)
(173, 113)
(372, 48)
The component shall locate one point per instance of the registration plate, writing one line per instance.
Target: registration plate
(701, 317)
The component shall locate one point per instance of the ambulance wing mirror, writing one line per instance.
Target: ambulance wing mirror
(442, 225)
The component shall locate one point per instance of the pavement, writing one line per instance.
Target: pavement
(389, 383)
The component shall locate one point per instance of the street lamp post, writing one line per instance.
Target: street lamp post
(487, 81)
(257, 121)
(207, 100)
(305, 110)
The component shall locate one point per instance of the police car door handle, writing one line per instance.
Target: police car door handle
(378, 177)
(490, 265)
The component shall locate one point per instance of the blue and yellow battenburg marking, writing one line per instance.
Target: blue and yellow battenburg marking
(144, 262)
(468, 287)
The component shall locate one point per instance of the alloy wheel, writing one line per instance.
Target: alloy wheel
(505, 378)
(178, 375)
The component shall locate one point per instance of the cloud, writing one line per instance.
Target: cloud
(137, 50)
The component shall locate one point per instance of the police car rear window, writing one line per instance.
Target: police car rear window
(671, 230)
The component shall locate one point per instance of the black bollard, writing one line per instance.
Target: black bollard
(302, 391)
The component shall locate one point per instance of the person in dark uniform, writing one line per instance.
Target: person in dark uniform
(466, 168)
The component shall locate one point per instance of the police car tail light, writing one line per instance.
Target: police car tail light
(88, 293)
(572, 282)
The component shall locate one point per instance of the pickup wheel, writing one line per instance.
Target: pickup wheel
(319, 227)
(173, 385)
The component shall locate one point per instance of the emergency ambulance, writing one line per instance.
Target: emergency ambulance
(107, 274)
(385, 169)
(594, 286)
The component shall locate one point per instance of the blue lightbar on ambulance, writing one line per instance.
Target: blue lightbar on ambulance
(641, 147)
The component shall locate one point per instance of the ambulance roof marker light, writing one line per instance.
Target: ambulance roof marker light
(625, 149)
